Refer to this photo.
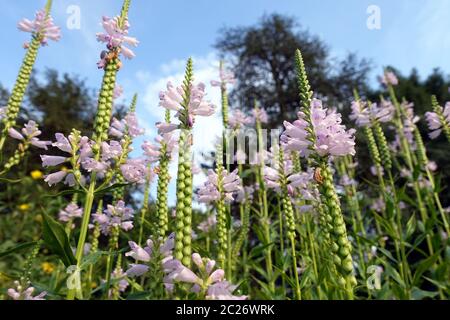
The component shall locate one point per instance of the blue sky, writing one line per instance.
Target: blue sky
(414, 33)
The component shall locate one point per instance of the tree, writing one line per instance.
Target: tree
(263, 61)
(61, 103)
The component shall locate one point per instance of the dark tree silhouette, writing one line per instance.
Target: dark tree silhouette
(263, 61)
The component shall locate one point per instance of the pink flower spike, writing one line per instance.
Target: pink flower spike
(55, 178)
(137, 252)
(62, 143)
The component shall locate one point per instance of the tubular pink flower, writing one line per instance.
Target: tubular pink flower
(62, 143)
(115, 216)
(172, 99)
(225, 77)
(209, 192)
(13, 133)
(72, 211)
(40, 144)
(137, 270)
(238, 120)
(116, 36)
(134, 170)
(223, 290)
(434, 122)
(55, 177)
(51, 161)
(42, 26)
(138, 253)
(164, 127)
(111, 150)
(208, 224)
(389, 78)
(331, 138)
(132, 125)
(260, 115)
(92, 165)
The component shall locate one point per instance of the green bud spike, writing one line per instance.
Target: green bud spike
(223, 90)
(184, 178)
(305, 94)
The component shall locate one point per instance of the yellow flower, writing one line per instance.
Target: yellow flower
(36, 174)
(24, 207)
(47, 267)
(38, 218)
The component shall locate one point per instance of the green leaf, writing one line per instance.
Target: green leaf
(19, 247)
(92, 258)
(411, 226)
(418, 294)
(425, 265)
(57, 241)
(144, 295)
(10, 180)
(63, 193)
(111, 188)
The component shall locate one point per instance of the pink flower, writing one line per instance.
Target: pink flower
(223, 290)
(151, 150)
(432, 166)
(30, 129)
(434, 121)
(40, 144)
(144, 254)
(116, 36)
(231, 183)
(172, 99)
(70, 212)
(19, 294)
(117, 128)
(244, 194)
(208, 224)
(238, 119)
(225, 77)
(55, 177)
(331, 138)
(360, 113)
(170, 140)
(92, 165)
(134, 170)
(13, 133)
(42, 26)
(51, 161)
(138, 253)
(118, 276)
(167, 142)
(132, 124)
(303, 183)
(260, 115)
(115, 216)
(118, 91)
(389, 78)
(164, 127)
(137, 270)
(113, 150)
(62, 143)
(346, 181)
